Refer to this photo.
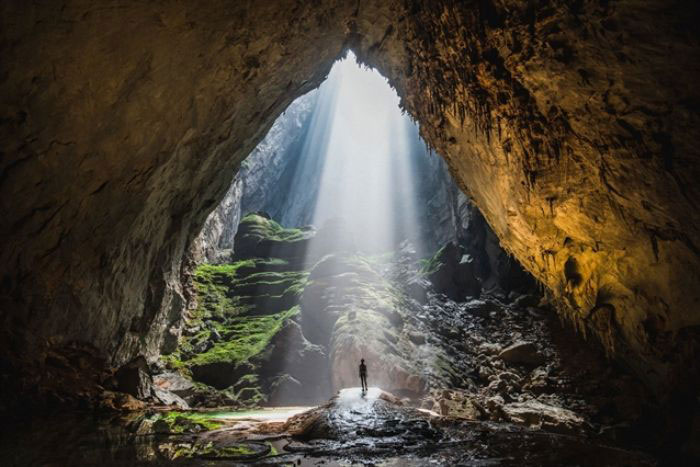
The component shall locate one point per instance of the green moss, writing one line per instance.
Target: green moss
(186, 422)
(268, 229)
(247, 337)
(432, 264)
(211, 283)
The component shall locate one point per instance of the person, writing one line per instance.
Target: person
(363, 375)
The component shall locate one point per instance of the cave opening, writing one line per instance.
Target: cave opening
(570, 126)
(335, 230)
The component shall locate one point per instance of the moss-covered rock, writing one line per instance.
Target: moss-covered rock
(185, 422)
(259, 236)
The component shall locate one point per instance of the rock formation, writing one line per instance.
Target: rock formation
(572, 125)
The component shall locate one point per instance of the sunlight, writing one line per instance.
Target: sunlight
(366, 178)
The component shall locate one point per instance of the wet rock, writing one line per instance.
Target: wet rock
(134, 379)
(524, 353)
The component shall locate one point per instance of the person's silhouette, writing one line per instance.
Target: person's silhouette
(363, 375)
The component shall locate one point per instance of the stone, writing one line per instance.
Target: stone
(134, 379)
(526, 300)
(417, 338)
(417, 290)
(524, 353)
(482, 308)
(490, 348)
(120, 401)
(170, 399)
(544, 416)
(291, 353)
(175, 383)
(220, 374)
(214, 336)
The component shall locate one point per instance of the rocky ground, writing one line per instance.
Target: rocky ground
(463, 368)
(275, 328)
(352, 428)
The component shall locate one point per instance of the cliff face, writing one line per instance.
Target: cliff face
(573, 126)
(262, 183)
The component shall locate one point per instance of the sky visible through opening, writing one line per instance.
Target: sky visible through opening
(361, 143)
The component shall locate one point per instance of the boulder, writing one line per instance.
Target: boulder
(417, 289)
(482, 308)
(134, 379)
(523, 353)
(417, 338)
(175, 383)
(259, 236)
(171, 399)
(537, 414)
(526, 300)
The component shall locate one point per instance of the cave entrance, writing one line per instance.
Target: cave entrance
(338, 231)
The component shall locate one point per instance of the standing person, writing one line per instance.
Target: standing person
(363, 375)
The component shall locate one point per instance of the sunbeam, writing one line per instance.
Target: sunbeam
(366, 178)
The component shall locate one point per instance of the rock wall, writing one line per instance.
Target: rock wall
(259, 184)
(568, 124)
(573, 125)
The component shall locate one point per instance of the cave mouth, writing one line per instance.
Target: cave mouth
(571, 122)
(323, 249)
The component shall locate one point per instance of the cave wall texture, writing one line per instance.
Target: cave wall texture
(571, 124)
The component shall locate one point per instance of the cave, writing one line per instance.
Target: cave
(563, 133)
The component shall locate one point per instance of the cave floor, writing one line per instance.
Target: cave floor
(514, 387)
(576, 408)
(351, 429)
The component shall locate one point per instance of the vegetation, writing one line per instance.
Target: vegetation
(432, 264)
(212, 283)
(186, 422)
(255, 225)
(244, 337)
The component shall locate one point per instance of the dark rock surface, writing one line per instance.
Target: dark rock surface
(525, 353)
(135, 379)
(572, 125)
